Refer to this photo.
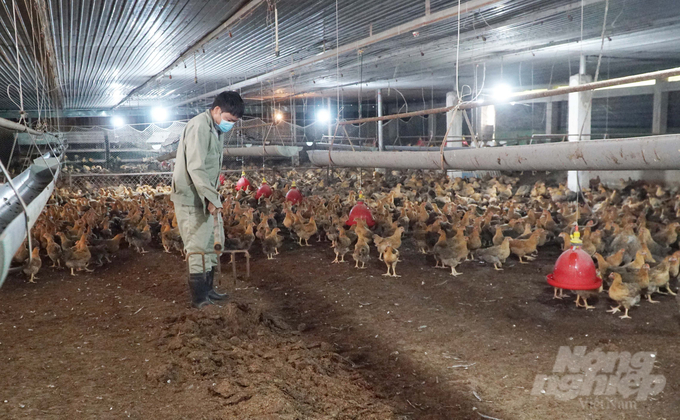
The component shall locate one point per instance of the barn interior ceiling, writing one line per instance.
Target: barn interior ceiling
(115, 54)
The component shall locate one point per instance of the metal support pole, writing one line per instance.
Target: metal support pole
(107, 151)
(381, 144)
(330, 118)
(660, 112)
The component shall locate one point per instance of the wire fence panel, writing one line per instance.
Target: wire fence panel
(125, 149)
(92, 182)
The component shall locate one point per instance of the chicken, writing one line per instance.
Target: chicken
(65, 242)
(391, 257)
(498, 237)
(97, 254)
(361, 252)
(22, 253)
(271, 243)
(445, 253)
(171, 239)
(32, 265)
(588, 246)
(668, 235)
(393, 242)
(636, 264)
(523, 247)
(659, 277)
(645, 238)
(613, 261)
(629, 241)
(306, 231)
(474, 241)
(566, 240)
(241, 241)
(420, 236)
(112, 245)
(78, 257)
(362, 230)
(53, 251)
(495, 255)
(616, 259)
(624, 294)
(138, 239)
(342, 246)
(675, 265)
(584, 295)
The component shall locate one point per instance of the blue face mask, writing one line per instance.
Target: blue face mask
(225, 126)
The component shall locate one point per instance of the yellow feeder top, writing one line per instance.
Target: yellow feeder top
(576, 237)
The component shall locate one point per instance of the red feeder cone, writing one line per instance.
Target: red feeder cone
(264, 191)
(360, 211)
(574, 269)
(243, 183)
(294, 195)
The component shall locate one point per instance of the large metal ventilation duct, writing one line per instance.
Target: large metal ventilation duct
(640, 153)
(266, 151)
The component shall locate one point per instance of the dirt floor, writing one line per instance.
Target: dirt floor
(307, 339)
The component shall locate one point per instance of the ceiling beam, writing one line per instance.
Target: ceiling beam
(407, 27)
(243, 11)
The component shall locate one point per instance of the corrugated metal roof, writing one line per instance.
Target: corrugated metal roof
(106, 49)
(500, 36)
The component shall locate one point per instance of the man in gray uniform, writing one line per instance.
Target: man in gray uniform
(194, 190)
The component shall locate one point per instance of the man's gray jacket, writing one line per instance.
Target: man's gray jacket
(198, 164)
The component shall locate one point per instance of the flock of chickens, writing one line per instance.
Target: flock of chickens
(631, 231)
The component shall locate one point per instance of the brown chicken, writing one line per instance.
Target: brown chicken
(636, 264)
(171, 239)
(498, 236)
(78, 257)
(393, 242)
(474, 241)
(342, 245)
(32, 265)
(604, 264)
(495, 255)
(361, 252)
(113, 245)
(306, 231)
(659, 277)
(566, 240)
(675, 265)
(22, 253)
(391, 257)
(668, 235)
(53, 251)
(241, 240)
(523, 247)
(624, 294)
(271, 243)
(447, 253)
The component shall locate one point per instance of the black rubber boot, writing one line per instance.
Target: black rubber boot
(213, 294)
(200, 288)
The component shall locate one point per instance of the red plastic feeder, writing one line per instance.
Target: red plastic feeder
(294, 195)
(264, 191)
(360, 211)
(243, 183)
(575, 270)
